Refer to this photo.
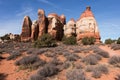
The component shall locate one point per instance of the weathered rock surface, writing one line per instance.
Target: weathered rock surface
(70, 28)
(34, 30)
(42, 22)
(26, 29)
(56, 24)
(86, 26)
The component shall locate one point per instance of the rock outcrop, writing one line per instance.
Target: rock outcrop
(42, 22)
(34, 30)
(86, 26)
(26, 29)
(70, 28)
(56, 24)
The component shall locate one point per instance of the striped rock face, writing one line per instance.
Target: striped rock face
(26, 29)
(86, 26)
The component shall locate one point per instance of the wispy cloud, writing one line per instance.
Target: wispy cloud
(48, 3)
(24, 11)
(54, 5)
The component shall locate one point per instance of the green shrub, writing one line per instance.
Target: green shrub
(109, 41)
(45, 41)
(88, 40)
(69, 40)
(118, 41)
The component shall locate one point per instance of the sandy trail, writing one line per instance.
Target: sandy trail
(110, 51)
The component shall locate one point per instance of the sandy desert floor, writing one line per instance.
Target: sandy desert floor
(9, 71)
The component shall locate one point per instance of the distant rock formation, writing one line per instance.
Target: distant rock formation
(86, 26)
(55, 25)
(26, 29)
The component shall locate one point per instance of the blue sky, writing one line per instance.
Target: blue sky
(106, 12)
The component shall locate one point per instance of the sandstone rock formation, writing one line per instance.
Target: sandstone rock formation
(70, 28)
(42, 22)
(56, 24)
(34, 30)
(86, 26)
(26, 29)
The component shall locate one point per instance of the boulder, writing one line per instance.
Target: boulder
(26, 29)
(86, 26)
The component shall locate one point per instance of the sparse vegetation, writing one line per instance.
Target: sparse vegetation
(69, 40)
(90, 60)
(88, 40)
(14, 55)
(115, 60)
(115, 46)
(76, 74)
(48, 70)
(45, 41)
(32, 62)
(99, 70)
(36, 77)
(118, 41)
(109, 41)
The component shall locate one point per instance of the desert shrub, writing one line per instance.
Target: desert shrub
(79, 66)
(102, 68)
(49, 54)
(97, 56)
(67, 64)
(103, 53)
(69, 40)
(90, 59)
(118, 41)
(1, 57)
(76, 74)
(14, 55)
(117, 77)
(36, 77)
(55, 62)
(88, 40)
(28, 60)
(5, 37)
(115, 60)
(115, 46)
(99, 70)
(38, 64)
(3, 76)
(48, 70)
(45, 41)
(72, 57)
(109, 41)
(96, 74)
(89, 68)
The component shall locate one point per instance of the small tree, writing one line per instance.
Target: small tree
(118, 41)
(88, 40)
(69, 40)
(45, 41)
(109, 41)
